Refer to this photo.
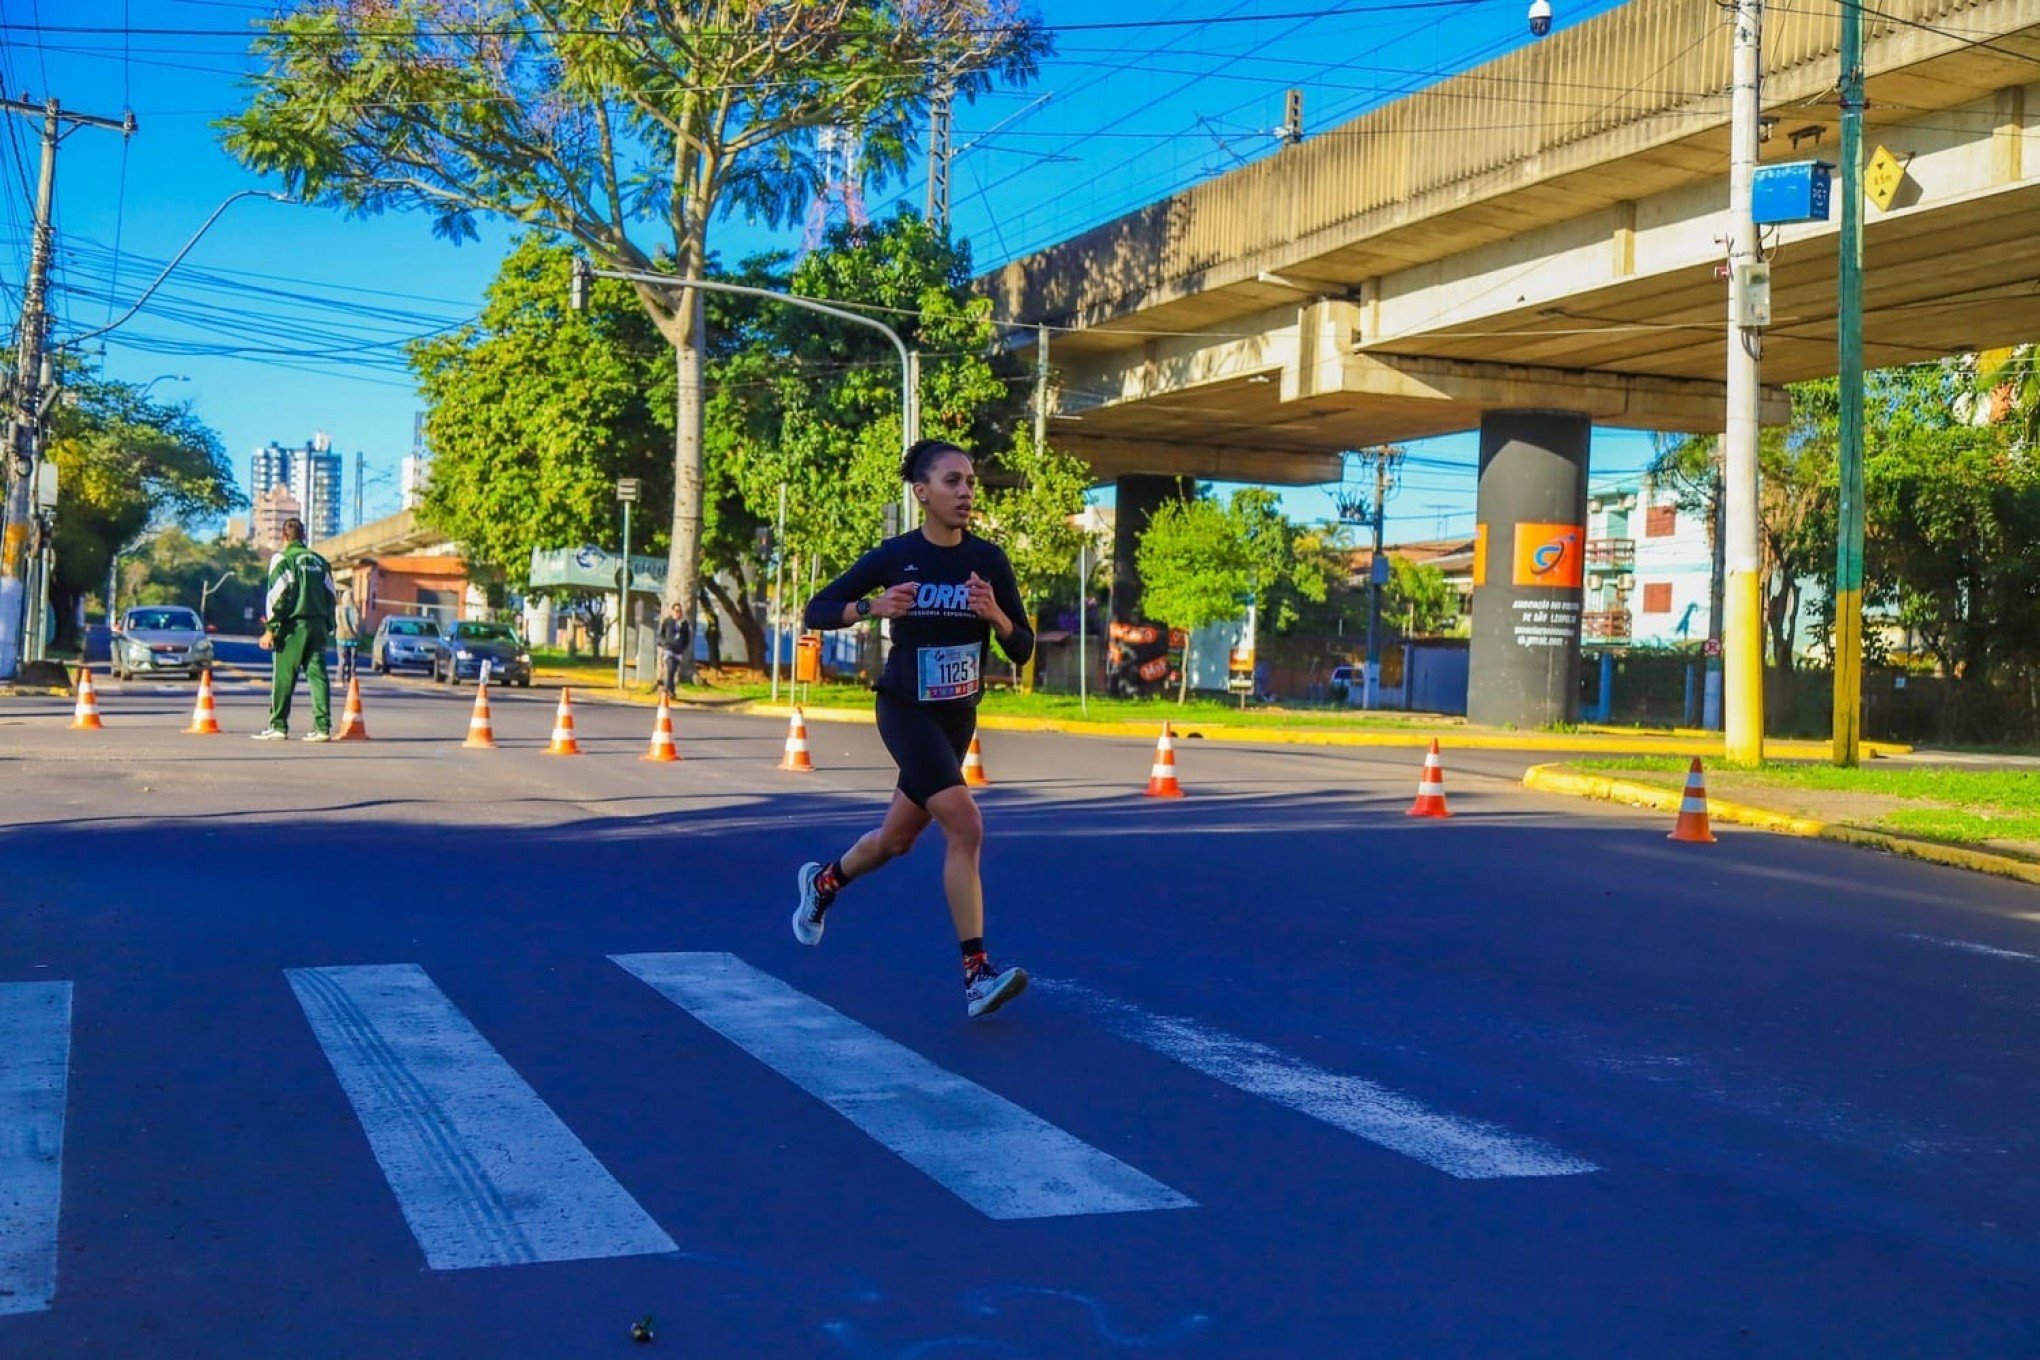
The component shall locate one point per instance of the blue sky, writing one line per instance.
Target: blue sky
(285, 320)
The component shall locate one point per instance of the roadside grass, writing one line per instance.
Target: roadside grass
(2011, 790)
(1961, 807)
(1100, 708)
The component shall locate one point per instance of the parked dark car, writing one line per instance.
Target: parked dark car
(158, 639)
(471, 643)
(401, 642)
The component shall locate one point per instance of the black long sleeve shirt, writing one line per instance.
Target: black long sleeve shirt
(938, 652)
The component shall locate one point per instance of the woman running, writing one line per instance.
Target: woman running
(947, 592)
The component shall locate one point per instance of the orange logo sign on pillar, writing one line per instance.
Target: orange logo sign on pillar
(1550, 555)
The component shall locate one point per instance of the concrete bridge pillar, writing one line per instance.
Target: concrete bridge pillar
(1529, 559)
(1137, 644)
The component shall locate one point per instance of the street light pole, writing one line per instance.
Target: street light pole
(627, 492)
(205, 594)
(778, 588)
(910, 363)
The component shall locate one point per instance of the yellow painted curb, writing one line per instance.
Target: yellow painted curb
(1415, 738)
(1551, 779)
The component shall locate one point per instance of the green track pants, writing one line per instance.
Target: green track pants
(302, 649)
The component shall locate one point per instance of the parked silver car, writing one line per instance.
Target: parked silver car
(401, 642)
(158, 639)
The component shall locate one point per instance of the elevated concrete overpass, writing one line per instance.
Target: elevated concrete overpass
(1542, 234)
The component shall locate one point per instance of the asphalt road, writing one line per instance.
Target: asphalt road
(394, 1048)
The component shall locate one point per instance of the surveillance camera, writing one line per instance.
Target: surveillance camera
(1540, 17)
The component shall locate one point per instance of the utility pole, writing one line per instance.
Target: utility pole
(1848, 698)
(1040, 388)
(1291, 131)
(941, 122)
(1742, 640)
(25, 408)
(1377, 570)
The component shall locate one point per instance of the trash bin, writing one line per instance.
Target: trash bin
(807, 659)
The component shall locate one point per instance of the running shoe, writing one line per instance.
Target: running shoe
(318, 736)
(807, 917)
(987, 990)
(272, 734)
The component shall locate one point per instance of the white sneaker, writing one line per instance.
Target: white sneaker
(272, 734)
(318, 736)
(807, 917)
(988, 991)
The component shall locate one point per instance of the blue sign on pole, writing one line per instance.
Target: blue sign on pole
(1791, 191)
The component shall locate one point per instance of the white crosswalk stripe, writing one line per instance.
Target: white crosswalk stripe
(982, 1148)
(484, 1171)
(35, 1072)
(1469, 1149)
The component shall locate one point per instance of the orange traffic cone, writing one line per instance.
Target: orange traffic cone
(86, 716)
(353, 727)
(662, 736)
(563, 743)
(481, 731)
(796, 757)
(1692, 824)
(974, 765)
(1431, 787)
(204, 722)
(1162, 775)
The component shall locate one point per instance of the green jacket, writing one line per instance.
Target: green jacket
(300, 591)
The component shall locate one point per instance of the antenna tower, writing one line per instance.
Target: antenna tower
(841, 197)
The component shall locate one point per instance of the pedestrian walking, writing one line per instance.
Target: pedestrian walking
(676, 639)
(299, 623)
(948, 593)
(346, 632)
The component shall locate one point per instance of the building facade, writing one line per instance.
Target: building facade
(272, 508)
(311, 474)
(1649, 568)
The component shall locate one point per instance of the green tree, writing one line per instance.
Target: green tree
(624, 126)
(172, 567)
(1195, 568)
(1028, 505)
(534, 411)
(812, 404)
(1418, 600)
(1285, 564)
(124, 464)
(1951, 511)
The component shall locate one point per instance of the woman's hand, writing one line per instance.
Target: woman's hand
(896, 602)
(985, 605)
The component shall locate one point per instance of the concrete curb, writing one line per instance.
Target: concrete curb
(1552, 779)
(1416, 738)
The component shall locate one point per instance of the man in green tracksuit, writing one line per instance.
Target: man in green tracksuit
(300, 622)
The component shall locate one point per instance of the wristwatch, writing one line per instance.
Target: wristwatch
(864, 609)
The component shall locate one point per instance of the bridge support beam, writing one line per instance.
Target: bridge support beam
(1528, 573)
(1137, 644)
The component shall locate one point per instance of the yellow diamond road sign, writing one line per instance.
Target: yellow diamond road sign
(1881, 179)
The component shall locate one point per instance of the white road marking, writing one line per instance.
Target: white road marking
(982, 1148)
(1467, 1148)
(1971, 947)
(484, 1171)
(35, 1072)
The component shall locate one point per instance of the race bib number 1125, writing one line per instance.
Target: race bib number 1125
(948, 672)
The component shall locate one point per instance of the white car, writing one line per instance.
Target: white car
(156, 639)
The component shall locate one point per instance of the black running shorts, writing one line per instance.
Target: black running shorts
(927, 742)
